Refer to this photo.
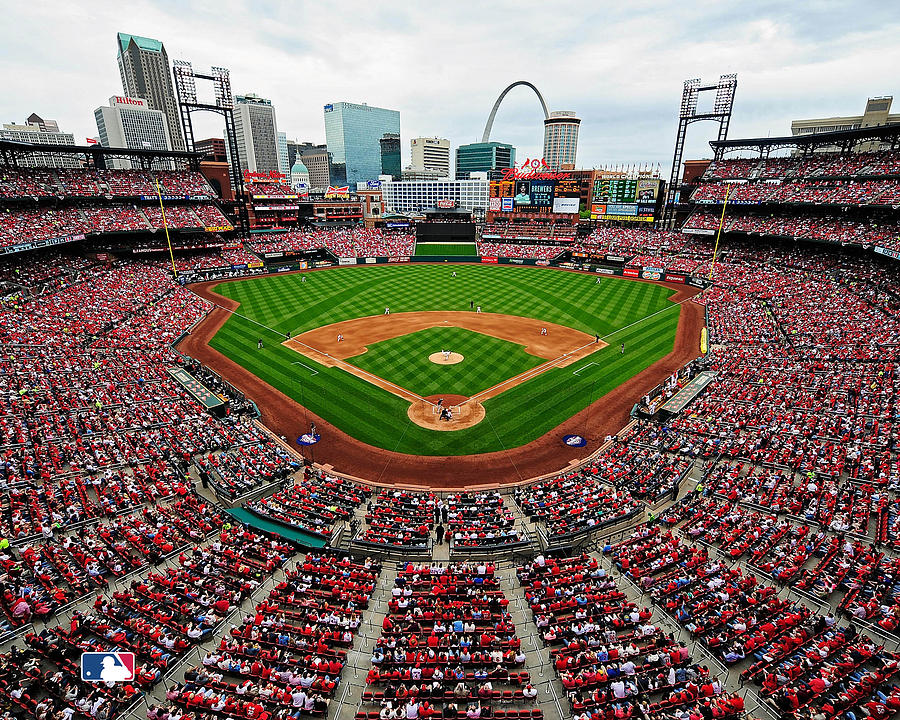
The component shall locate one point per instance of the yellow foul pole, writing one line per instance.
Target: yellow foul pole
(166, 227)
(719, 233)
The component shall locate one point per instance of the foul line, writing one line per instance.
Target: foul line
(583, 367)
(312, 370)
(534, 372)
(520, 378)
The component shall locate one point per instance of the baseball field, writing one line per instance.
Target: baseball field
(531, 359)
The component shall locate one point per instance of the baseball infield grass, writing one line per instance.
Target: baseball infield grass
(620, 311)
(404, 361)
(449, 249)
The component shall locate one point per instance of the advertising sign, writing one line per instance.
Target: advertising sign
(647, 190)
(650, 274)
(495, 204)
(565, 205)
(522, 192)
(489, 260)
(542, 193)
(446, 204)
(631, 272)
(675, 278)
(506, 204)
(347, 261)
(337, 192)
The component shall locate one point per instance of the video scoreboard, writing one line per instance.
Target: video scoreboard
(625, 199)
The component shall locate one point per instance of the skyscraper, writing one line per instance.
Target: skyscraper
(561, 139)
(430, 154)
(317, 160)
(390, 155)
(146, 73)
(257, 133)
(353, 134)
(483, 157)
(284, 167)
(131, 123)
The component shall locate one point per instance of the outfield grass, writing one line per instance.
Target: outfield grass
(404, 361)
(618, 310)
(446, 249)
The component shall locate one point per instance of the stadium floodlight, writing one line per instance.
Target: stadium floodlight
(721, 113)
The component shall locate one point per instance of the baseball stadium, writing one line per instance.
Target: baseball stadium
(534, 443)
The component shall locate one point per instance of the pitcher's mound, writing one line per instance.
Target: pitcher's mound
(464, 416)
(440, 359)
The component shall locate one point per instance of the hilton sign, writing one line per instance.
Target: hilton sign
(534, 170)
(139, 102)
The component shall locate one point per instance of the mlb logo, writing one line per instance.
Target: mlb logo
(107, 666)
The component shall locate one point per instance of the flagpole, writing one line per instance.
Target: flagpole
(166, 227)
(719, 233)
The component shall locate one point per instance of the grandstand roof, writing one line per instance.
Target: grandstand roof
(10, 148)
(889, 133)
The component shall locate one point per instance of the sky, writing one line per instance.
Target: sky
(619, 66)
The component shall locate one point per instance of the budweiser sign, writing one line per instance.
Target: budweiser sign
(271, 175)
(534, 170)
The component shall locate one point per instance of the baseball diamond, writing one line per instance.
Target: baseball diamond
(366, 399)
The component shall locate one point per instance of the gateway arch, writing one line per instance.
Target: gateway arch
(490, 122)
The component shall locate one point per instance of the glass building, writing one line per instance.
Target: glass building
(390, 155)
(483, 157)
(353, 135)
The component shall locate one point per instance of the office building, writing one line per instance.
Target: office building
(390, 155)
(877, 112)
(212, 149)
(417, 196)
(353, 135)
(317, 160)
(257, 134)
(283, 167)
(415, 174)
(430, 154)
(483, 157)
(561, 140)
(45, 132)
(131, 123)
(146, 73)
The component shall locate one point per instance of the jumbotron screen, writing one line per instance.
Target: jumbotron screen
(534, 195)
(628, 199)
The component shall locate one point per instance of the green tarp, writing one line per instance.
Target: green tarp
(287, 532)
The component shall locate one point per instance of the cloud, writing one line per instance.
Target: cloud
(619, 66)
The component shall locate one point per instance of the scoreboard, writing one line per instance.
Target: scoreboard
(625, 199)
(615, 191)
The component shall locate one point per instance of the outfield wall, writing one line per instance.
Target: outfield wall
(275, 263)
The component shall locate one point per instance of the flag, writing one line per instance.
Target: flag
(92, 141)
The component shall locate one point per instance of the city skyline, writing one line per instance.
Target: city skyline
(624, 80)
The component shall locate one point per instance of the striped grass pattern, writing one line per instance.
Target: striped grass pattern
(519, 415)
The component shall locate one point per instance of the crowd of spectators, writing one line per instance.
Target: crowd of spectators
(343, 242)
(161, 617)
(612, 660)
(816, 165)
(448, 646)
(285, 658)
(532, 232)
(314, 503)
(90, 183)
(480, 520)
(538, 252)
